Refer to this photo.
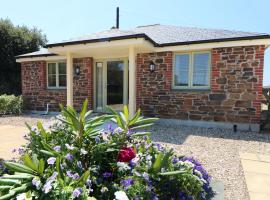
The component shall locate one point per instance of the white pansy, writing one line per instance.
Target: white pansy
(198, 173)
(123, 166)
(120, 195)
(21, 196)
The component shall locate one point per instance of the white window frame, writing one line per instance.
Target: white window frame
(57, 74)
(190, 78)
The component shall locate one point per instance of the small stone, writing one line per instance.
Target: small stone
(217, 97)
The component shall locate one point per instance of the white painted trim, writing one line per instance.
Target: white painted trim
(104, 62)
(69, 79)
(141, 43)
(106, 44)
(192, 47)
(132, 81)
(45, 58)
(56, 74)
(191, 68)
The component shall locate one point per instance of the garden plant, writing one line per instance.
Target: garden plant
(79, 158)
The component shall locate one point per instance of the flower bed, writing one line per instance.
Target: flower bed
(76, 159)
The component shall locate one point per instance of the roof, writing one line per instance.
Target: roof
(166, 35)
(163, 35)
(41, 52)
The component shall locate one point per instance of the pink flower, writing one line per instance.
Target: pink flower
(126, 154)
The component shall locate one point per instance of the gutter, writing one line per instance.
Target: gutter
(33, 56)
(146, 37)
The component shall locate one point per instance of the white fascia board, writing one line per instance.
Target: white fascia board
(116, 43)
(192, 47)
(39, 58)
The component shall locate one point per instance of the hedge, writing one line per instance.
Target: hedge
(10, 104)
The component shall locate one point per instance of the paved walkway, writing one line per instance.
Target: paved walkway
(11, 137)
(257, 174)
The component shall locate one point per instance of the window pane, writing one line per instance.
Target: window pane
(62, 68)
(201, 69)
(52, 68)
(51, 80)
(62, 80)
(181, 70)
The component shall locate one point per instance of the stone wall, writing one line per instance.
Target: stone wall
(35, 92)
(235, 94)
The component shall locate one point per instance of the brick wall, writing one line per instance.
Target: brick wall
(235, 94)
(36, 94)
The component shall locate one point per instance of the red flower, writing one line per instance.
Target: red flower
(126, 154)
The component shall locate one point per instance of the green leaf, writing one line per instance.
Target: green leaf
(140, 134)
(8, 181)
(84, 109)
(8, 196)
(16, 167)
(18, 176)
(42, 130)
(141, 126)
(172, 173)
(58, 168)
(157, 163)
(29, 163)
(41, 166)
(81, 181)
(47, 153)
(166, 159)
(135, 118)
(126, 113)
(4, 187)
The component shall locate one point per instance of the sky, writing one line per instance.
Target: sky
(64, 19)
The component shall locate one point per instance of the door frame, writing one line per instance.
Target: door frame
(104, 82)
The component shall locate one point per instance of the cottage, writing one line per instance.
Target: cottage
(193, 75)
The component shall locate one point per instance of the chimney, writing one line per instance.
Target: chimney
(117, 17)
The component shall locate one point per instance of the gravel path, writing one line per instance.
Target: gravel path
(21, 119)
(218, 150)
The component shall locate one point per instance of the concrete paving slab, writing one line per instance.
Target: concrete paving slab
(256, 168)
(11, 137)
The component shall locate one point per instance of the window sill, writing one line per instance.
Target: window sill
(191, 90)
(56, 88)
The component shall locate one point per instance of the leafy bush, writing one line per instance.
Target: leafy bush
(10, 104)
(78, 159)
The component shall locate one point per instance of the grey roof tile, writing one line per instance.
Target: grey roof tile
(159, 35)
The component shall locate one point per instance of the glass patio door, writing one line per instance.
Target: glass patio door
(111, 84)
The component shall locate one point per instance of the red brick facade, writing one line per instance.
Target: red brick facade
(36, 94)
(235, 94)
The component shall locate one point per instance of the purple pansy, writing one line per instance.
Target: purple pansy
(36, 182)
(97, 139)
(21, 150)
(127, 182)
(51, 160)
(48, 185)
(107, 174)
(77, 192)
(57, 148)
(69, 157)
(79, 164)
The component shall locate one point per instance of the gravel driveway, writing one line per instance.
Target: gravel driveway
(21, 119)
(218, 150)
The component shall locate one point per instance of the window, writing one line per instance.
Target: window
(56, 75)
(191, 70)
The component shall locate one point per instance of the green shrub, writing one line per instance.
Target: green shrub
(79, 158)
(10, 104)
